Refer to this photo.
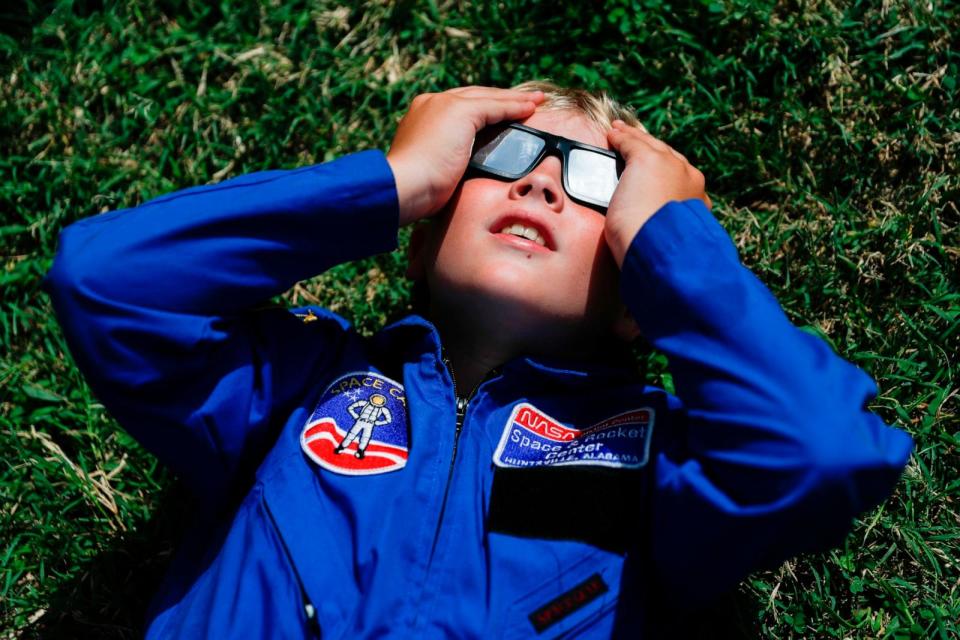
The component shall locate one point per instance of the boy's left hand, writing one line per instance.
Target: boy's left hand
(655, 174)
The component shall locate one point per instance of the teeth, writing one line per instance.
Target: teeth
(525, 232)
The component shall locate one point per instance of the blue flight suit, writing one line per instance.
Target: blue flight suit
(766, 451)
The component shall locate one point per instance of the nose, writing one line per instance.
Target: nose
(543, 183)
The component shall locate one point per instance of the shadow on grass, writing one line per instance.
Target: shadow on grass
(109, 598)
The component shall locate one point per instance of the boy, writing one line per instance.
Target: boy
(497, 471)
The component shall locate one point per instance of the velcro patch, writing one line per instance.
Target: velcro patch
(531, 438)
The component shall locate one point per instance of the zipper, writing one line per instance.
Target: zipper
(462, 404)
(313, 623)
(461, 407)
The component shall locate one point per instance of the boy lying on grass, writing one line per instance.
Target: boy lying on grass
(495, 468)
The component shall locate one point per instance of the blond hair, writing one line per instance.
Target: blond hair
(598, 107)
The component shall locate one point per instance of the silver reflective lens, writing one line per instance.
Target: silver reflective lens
(592, 175)
(512, 151)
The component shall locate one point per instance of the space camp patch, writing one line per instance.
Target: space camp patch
(531, 438)
(359, 426)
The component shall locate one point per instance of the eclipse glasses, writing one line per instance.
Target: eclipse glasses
(590, 174)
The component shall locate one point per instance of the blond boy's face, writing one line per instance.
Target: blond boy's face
(565, 278)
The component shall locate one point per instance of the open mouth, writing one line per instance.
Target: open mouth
(524, 227)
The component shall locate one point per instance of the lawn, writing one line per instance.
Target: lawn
(828, 132)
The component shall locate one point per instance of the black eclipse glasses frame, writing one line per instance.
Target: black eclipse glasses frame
(552, 145)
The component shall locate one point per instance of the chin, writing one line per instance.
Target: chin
(508, 300)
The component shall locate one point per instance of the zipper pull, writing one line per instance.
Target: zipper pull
(313, 624)
(461, 412)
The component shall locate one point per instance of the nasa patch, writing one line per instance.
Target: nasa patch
(531, 438)
(359, 426)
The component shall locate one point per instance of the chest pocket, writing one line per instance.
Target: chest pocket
(602, 507)
(579, 603)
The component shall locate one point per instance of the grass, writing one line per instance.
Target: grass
(828, 132)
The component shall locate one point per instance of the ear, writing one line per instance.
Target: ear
(624, 326)
(415, 252)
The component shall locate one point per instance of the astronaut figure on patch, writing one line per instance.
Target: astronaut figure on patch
(369, 414)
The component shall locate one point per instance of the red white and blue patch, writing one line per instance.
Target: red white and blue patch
(531, 438)
(359, 426)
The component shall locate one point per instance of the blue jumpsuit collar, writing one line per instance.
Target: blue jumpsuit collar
(545, 366)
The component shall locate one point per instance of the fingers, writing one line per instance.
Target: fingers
(623, 134)
(491, 105)
(507, 102)
(481, 106)
(639, 147)
(495, 92)
(477, 95)
(492, 111)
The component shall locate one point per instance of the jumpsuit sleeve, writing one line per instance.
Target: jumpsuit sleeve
(772, 450)
(158, 306)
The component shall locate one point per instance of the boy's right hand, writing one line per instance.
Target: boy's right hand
(432, 146)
